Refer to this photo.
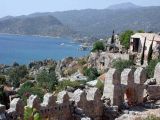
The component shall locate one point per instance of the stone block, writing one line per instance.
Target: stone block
(113, 77)
(33, 101)
(157, 73)
(140, 76)
(127, 77)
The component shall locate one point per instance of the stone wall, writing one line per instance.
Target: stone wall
(60, 107)
(129, 86)
(126, 87)
(102, 61)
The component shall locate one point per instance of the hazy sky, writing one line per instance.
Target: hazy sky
(23, 7)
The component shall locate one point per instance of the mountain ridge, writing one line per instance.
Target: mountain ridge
(93, 22)
(126, 5)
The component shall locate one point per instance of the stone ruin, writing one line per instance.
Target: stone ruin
(130, 86)
(80, 105)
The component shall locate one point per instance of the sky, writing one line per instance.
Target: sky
(24, 7)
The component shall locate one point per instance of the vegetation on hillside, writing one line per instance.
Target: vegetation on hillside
(125, 38)
(16, 74)
(142, 56)
(47, 80)
(151, 67)
(28, 89)
(122, 64)
(150, 52)
(31, 114)
(98, 46)
(91, 73)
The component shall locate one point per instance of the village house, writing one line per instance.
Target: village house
(137, 43)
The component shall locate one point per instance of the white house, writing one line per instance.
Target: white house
(137, 42)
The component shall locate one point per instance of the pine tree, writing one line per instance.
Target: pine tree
(142, 57)
(112, 39)
(150, 51)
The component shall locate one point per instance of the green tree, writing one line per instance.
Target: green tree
(28, 89)
(31, 114)
(97, 46)
(2, 95)
(150, 52)
(122, 64)
(142, 57)
(112, 39)
(141, 31)
(2, 79)
(47, 80)
(16, 74)
(91, 73)
(125, 38)
(151, 67)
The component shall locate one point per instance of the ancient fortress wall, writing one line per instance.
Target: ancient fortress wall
(64, 106)
(130, 85)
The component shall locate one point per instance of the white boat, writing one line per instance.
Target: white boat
(62, 44)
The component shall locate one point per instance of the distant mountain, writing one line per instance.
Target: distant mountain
(37, 25)
(127, 5)
(89, 22)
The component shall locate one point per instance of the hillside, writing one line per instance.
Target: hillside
(126, 5)
(89, 22)
(38, 25)
(101, 22)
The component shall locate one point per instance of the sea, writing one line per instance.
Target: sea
(24, 49)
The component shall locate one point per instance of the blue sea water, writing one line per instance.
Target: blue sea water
(24, 49)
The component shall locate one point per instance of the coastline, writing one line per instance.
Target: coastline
(30, 35)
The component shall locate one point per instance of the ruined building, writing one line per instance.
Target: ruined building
(130, 86)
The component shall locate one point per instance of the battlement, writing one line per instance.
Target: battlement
(56, 107)
(130, 85)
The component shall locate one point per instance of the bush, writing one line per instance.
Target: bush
(151, 67)
(97, 46)
(152, 117)
(31, 114)
(125, 38)
(2, 79)
(2, 96)
(91, 73)
(47, 81)
(75, 84)
(100, 86)
(122, 64)
(28, 89)
(16, 74)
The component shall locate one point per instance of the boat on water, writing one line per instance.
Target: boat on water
(84, 47)
(62, 44)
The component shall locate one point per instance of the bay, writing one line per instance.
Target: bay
(24, 49)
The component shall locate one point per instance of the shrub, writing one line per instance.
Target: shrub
(122, 64)
(91, 73)
(151, 67)
(152, 117)
(31, 114)
(2, 79)
(47, 81)
(16, 74)
(63, 85)
(125, 38)
(100, 86)
(28, 89)
(97, 46)
(2, 95)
